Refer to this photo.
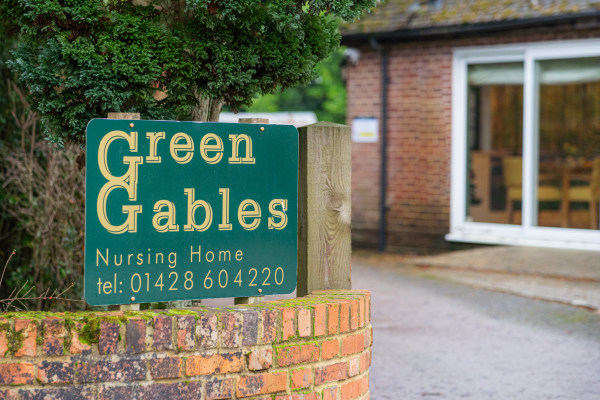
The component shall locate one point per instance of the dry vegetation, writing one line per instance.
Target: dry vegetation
(44, 193)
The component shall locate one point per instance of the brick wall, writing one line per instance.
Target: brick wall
(313, 348)
(419, 138)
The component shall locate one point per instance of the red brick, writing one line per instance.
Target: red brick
(230, 331)
(260, 359)
(368, 310)
(77, 347)
(354, 315)
(351, 390)
(178, 390)
(331, 373)
(257, 384)
(185, 332)
(250, 328)
(54, 337)
(353, 366)
(167, 367)
(135, 336)
(16, 374)
(58, 393)
(301, 378)
(304, 322)
(163, 332)
(207, 332)
(334, 316)
(108, 342)
(353, 344)
(320, 311)
(3, 339)
(361, 312)
(355, 389)
(269, 321)
(365, 361)
(287, 323)
(214, 364)
(408, 134)
(8, 394)
(330, 348)
(109, 392)
(29, 329)
(297, 354)
(55, 372)
(344, 316)
(217, 389)
(110, 371)
(331, 393)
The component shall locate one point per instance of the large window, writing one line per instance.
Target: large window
(526, 144)
(495, 138)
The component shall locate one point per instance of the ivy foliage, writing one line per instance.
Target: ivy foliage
(81, 59)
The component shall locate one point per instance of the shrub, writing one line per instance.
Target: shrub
(83, 59)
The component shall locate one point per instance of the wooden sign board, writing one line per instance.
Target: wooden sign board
(189, 210)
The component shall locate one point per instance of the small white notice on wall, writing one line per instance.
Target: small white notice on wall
(365, 130)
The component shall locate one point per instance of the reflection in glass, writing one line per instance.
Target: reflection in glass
(568, 95)
(495, 137)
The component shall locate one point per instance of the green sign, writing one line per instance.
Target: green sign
(189, 210)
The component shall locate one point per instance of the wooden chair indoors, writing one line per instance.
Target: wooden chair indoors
(512, 167)
(587, 193)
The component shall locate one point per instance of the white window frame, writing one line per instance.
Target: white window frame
(528, 233)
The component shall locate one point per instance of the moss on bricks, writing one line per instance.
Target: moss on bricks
(14, 338)
(175, 312)
(68, 324)
(90, 331)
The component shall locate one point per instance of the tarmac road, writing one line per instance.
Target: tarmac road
(437, 339)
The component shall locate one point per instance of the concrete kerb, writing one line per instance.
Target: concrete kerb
(551, 263)
(563, 276)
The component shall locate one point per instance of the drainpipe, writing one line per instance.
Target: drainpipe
(384, 114)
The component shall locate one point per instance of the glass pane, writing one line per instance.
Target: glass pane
(495, 137)
(569, 142)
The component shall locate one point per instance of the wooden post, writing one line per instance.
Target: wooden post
(124, 307)
(252, 299)
(253, 120)
(116, 115)
(324, 208)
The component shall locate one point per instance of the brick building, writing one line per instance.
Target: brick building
(488, 123)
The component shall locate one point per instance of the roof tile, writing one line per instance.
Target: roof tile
(393, 15)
